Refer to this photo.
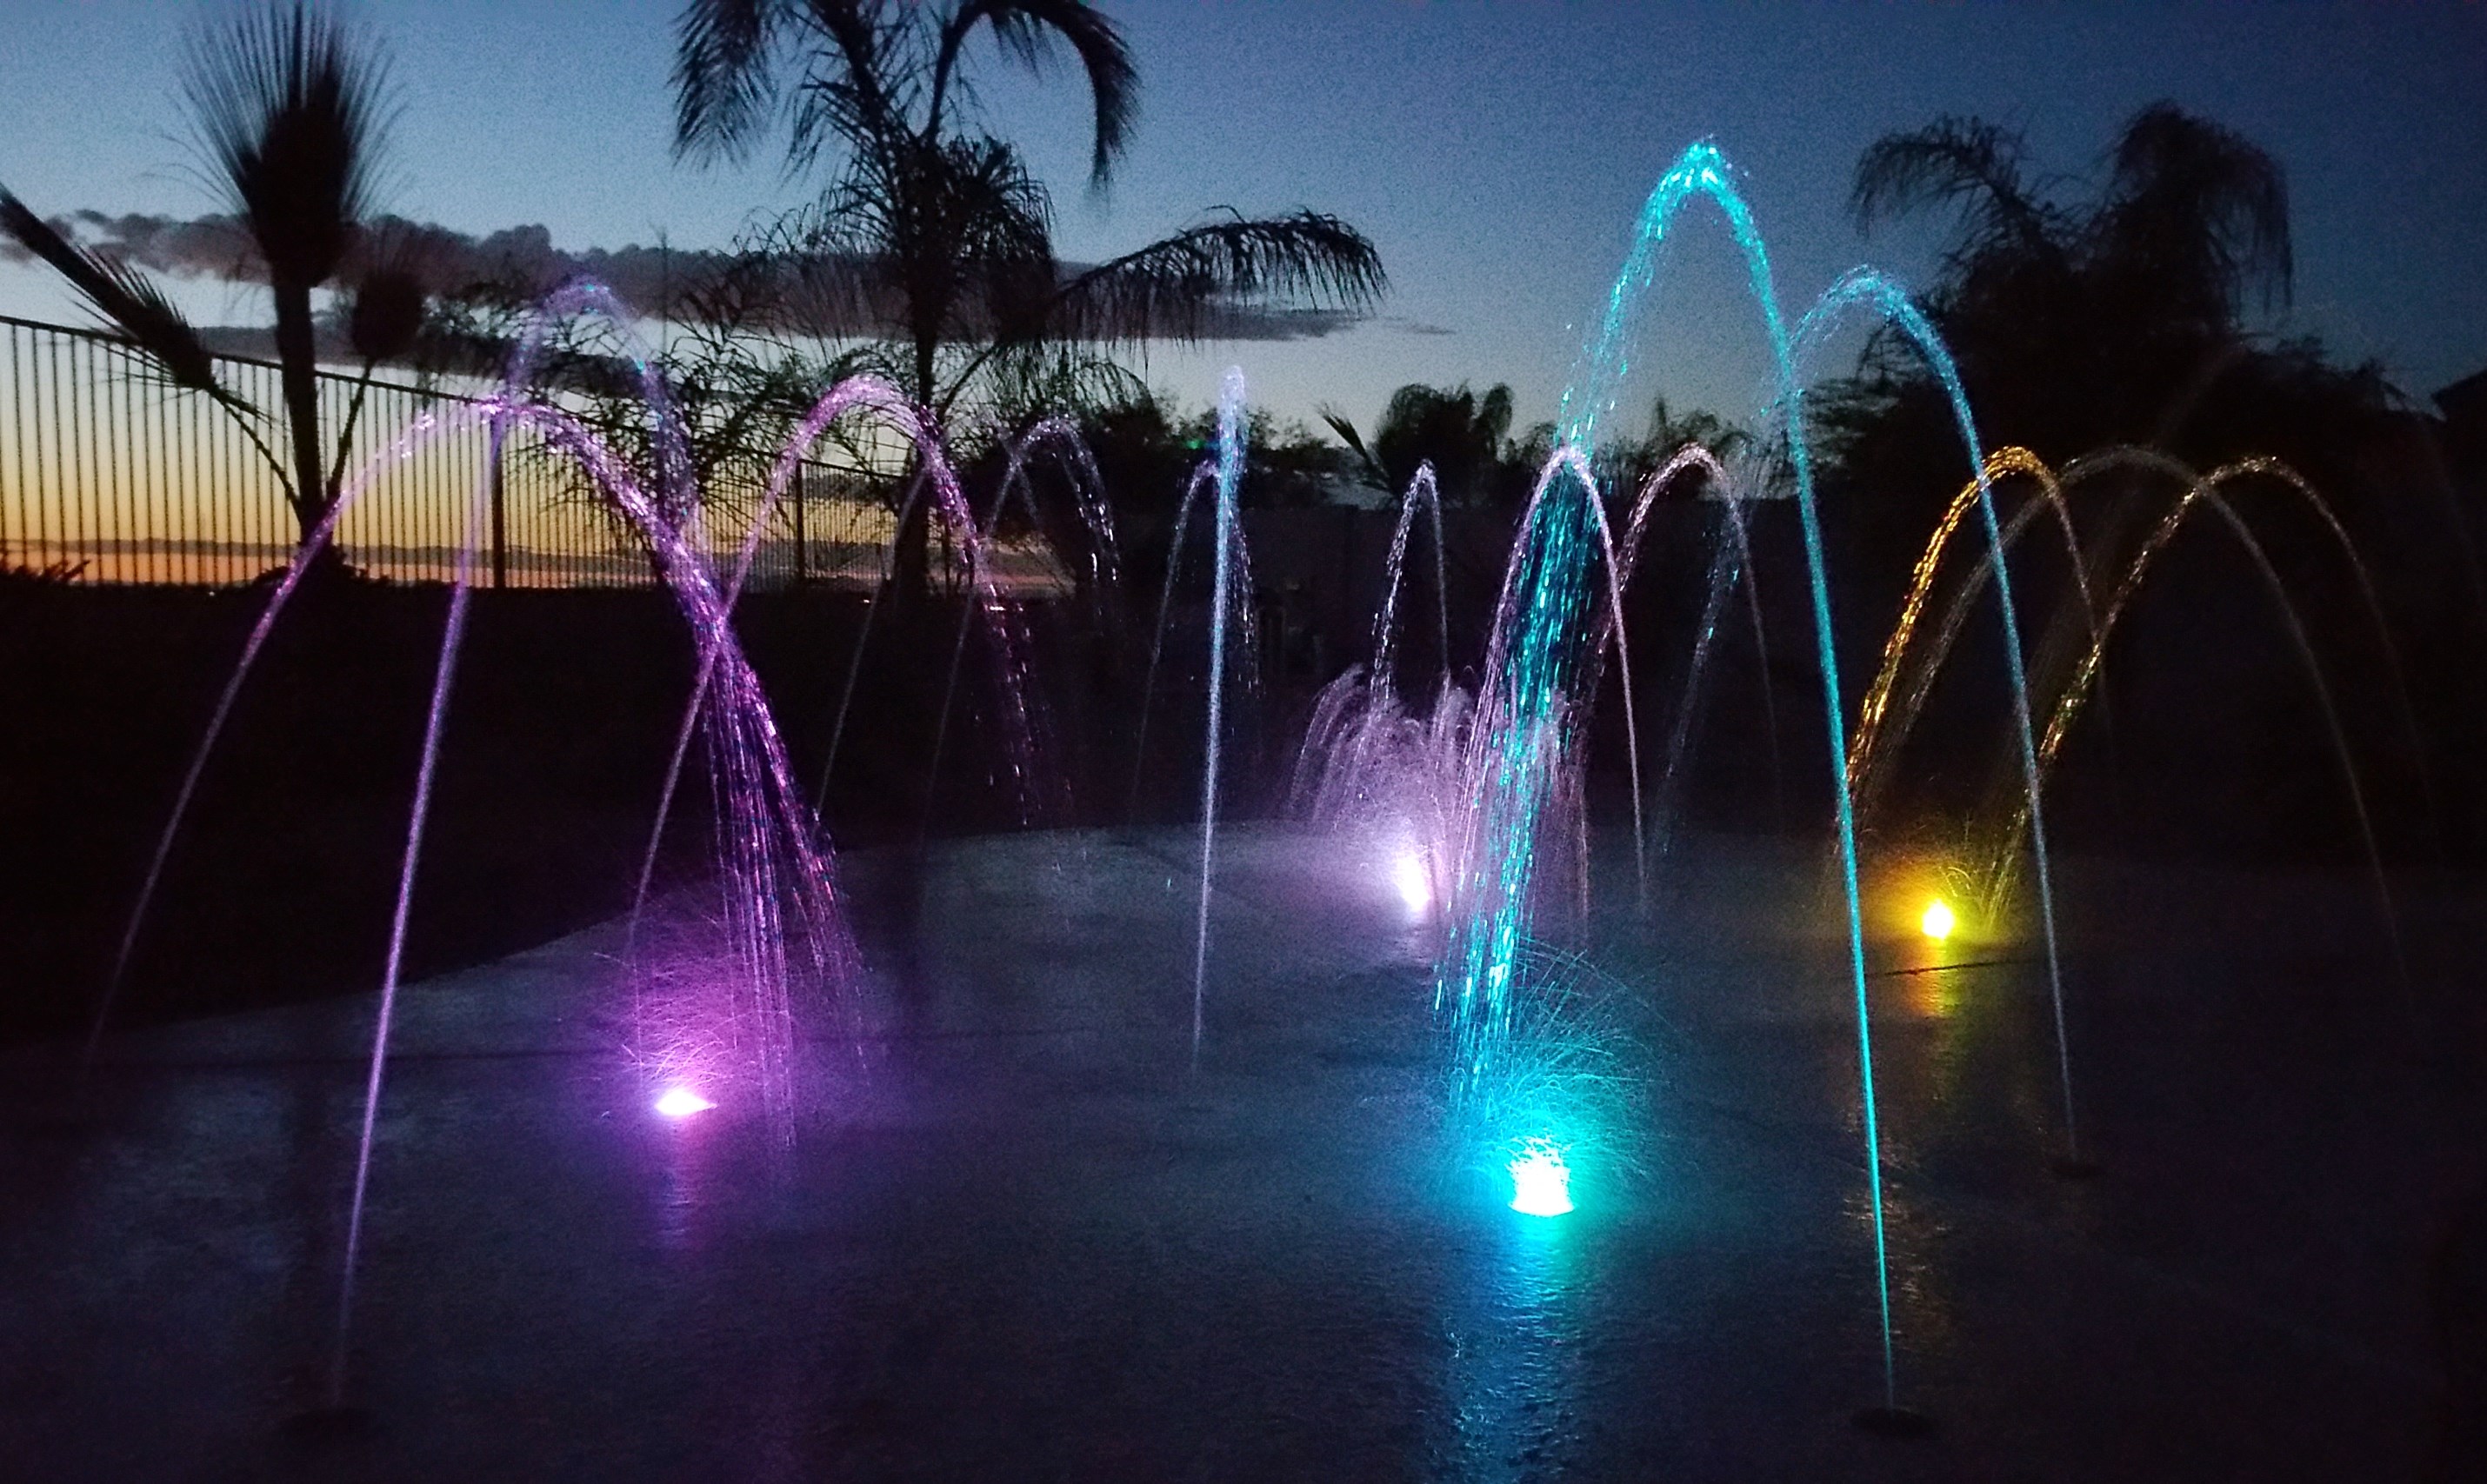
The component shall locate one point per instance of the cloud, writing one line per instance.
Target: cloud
(445, 261)
(524, 260)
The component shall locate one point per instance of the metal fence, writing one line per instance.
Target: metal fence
(108, 474)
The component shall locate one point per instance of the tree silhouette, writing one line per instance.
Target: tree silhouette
(937, 233)
(2119, 309)
(288, 108)
(1465, 436)
(1478, 460)
(2079, 322)
(1624, 464)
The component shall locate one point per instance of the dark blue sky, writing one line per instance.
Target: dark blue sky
(1497, 152)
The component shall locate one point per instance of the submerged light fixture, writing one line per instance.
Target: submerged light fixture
(1414, 882)
(1939, 921)
(1541, 1182)
(682, 1103)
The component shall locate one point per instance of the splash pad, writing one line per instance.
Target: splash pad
(1414, 1028)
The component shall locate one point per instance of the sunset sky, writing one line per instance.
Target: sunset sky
(1495, 153)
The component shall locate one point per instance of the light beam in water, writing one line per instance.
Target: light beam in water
(1412, 880)
(682, 1103)
(1541, 1182)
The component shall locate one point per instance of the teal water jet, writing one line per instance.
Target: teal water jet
(1864, 286)
(1529, 670)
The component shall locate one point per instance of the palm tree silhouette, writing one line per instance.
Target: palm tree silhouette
(288, 108)
(287, 111)
(1463, 435)
(938, 233)
(2119, 312)
(2192, 222)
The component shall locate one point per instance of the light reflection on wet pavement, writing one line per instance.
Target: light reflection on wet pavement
(1014, 1238)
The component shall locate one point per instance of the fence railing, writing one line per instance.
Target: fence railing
(110, 475)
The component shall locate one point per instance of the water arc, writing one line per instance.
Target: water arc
(1523, 684)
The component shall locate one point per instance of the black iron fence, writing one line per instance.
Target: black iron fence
(108, 474)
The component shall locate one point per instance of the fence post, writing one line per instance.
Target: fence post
(500, 520)
(801, 570)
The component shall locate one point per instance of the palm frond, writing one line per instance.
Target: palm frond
(290, 107)
(1040, 380)
(1002, 220)
(1460, 433)
(1368, 468)
(2205, 199)
(725, 86)
(856, 89)
(385, 315)
(1027, 31)
(1971, 165)
(1494, 416)
(125, 298)
(1176, 289)
(1346, 431)
(812, 271)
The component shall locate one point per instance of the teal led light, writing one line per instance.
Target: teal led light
(1541, 1182)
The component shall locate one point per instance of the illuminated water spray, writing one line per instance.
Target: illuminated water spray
(1530, 670)
(1229, 466)
(778, 901)
(1423, 493)
(1039, 795)
(1863, 286)
(2206, 491)
(1391, 777)
(1731, 566)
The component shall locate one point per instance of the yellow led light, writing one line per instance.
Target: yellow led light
(1938, 922)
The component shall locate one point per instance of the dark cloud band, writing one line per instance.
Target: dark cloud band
(524, 261)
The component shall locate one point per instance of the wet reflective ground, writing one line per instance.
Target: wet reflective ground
(1014, 1238)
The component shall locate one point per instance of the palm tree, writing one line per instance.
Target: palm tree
(2191, 223)
(1465, 436)
(2195, 221)
(1629, 463)
(2081, 319)
(937, 233)
(287, 110)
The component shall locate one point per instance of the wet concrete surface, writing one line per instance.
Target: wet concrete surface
(1016, 1236)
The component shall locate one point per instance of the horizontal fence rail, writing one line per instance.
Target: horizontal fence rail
(110, 475)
